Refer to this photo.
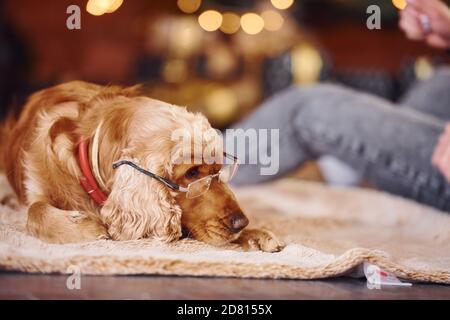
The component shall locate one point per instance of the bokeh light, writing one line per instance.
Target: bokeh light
(114, 5)
(175, 71)
(252, 23)
(423, 68)
(282, 4)
(231, 23)
(306, 64)
(399, 4)
(184, 36)
(99, 7)
(189, 6)
(221, 106)
(273, 21)
(210, 20)
(220, 61)
(94, 8)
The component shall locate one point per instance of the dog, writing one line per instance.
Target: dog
(93, 162)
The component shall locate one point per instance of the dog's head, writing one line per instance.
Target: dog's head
(213, 217)
(156, 136)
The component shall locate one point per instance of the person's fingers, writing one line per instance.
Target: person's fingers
(410, 11)
(444, 163)
(441, 145)
(438, 151)
(410, 24)
(442, 148)
(441, 159)
(428, 7)
(437, 13)
(412, 27)
(437, 41)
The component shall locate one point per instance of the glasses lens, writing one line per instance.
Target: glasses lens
(199, 187)
(228, 172)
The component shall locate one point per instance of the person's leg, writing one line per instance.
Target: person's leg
(391, 147)
(431, 96)
(278, 112)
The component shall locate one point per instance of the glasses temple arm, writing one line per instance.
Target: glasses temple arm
(230, 156)
(168, 183)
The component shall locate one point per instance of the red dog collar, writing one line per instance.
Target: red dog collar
(88, 181)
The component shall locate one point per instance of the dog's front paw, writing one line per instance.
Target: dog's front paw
(254, 239)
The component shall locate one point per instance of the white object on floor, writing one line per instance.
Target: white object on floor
(338, 173)
(377, 277)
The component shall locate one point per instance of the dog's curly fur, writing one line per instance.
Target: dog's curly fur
(40, 160)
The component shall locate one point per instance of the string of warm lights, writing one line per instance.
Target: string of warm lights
(100, 7)
(229, 22)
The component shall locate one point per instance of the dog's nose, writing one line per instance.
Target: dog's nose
(238, 222)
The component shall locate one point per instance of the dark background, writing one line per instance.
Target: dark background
(224, 76)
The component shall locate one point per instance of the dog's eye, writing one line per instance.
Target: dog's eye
(192, 173)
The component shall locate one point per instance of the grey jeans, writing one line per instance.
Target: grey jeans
(389, 145)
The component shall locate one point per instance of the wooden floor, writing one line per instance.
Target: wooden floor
(25, 286)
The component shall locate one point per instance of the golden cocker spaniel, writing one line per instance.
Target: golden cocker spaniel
(94, 162)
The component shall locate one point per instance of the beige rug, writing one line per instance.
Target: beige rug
(329, 232)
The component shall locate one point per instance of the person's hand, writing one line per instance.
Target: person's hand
(441, 155)
(427, 20)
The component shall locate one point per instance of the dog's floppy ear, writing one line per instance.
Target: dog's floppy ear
(140, 207)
